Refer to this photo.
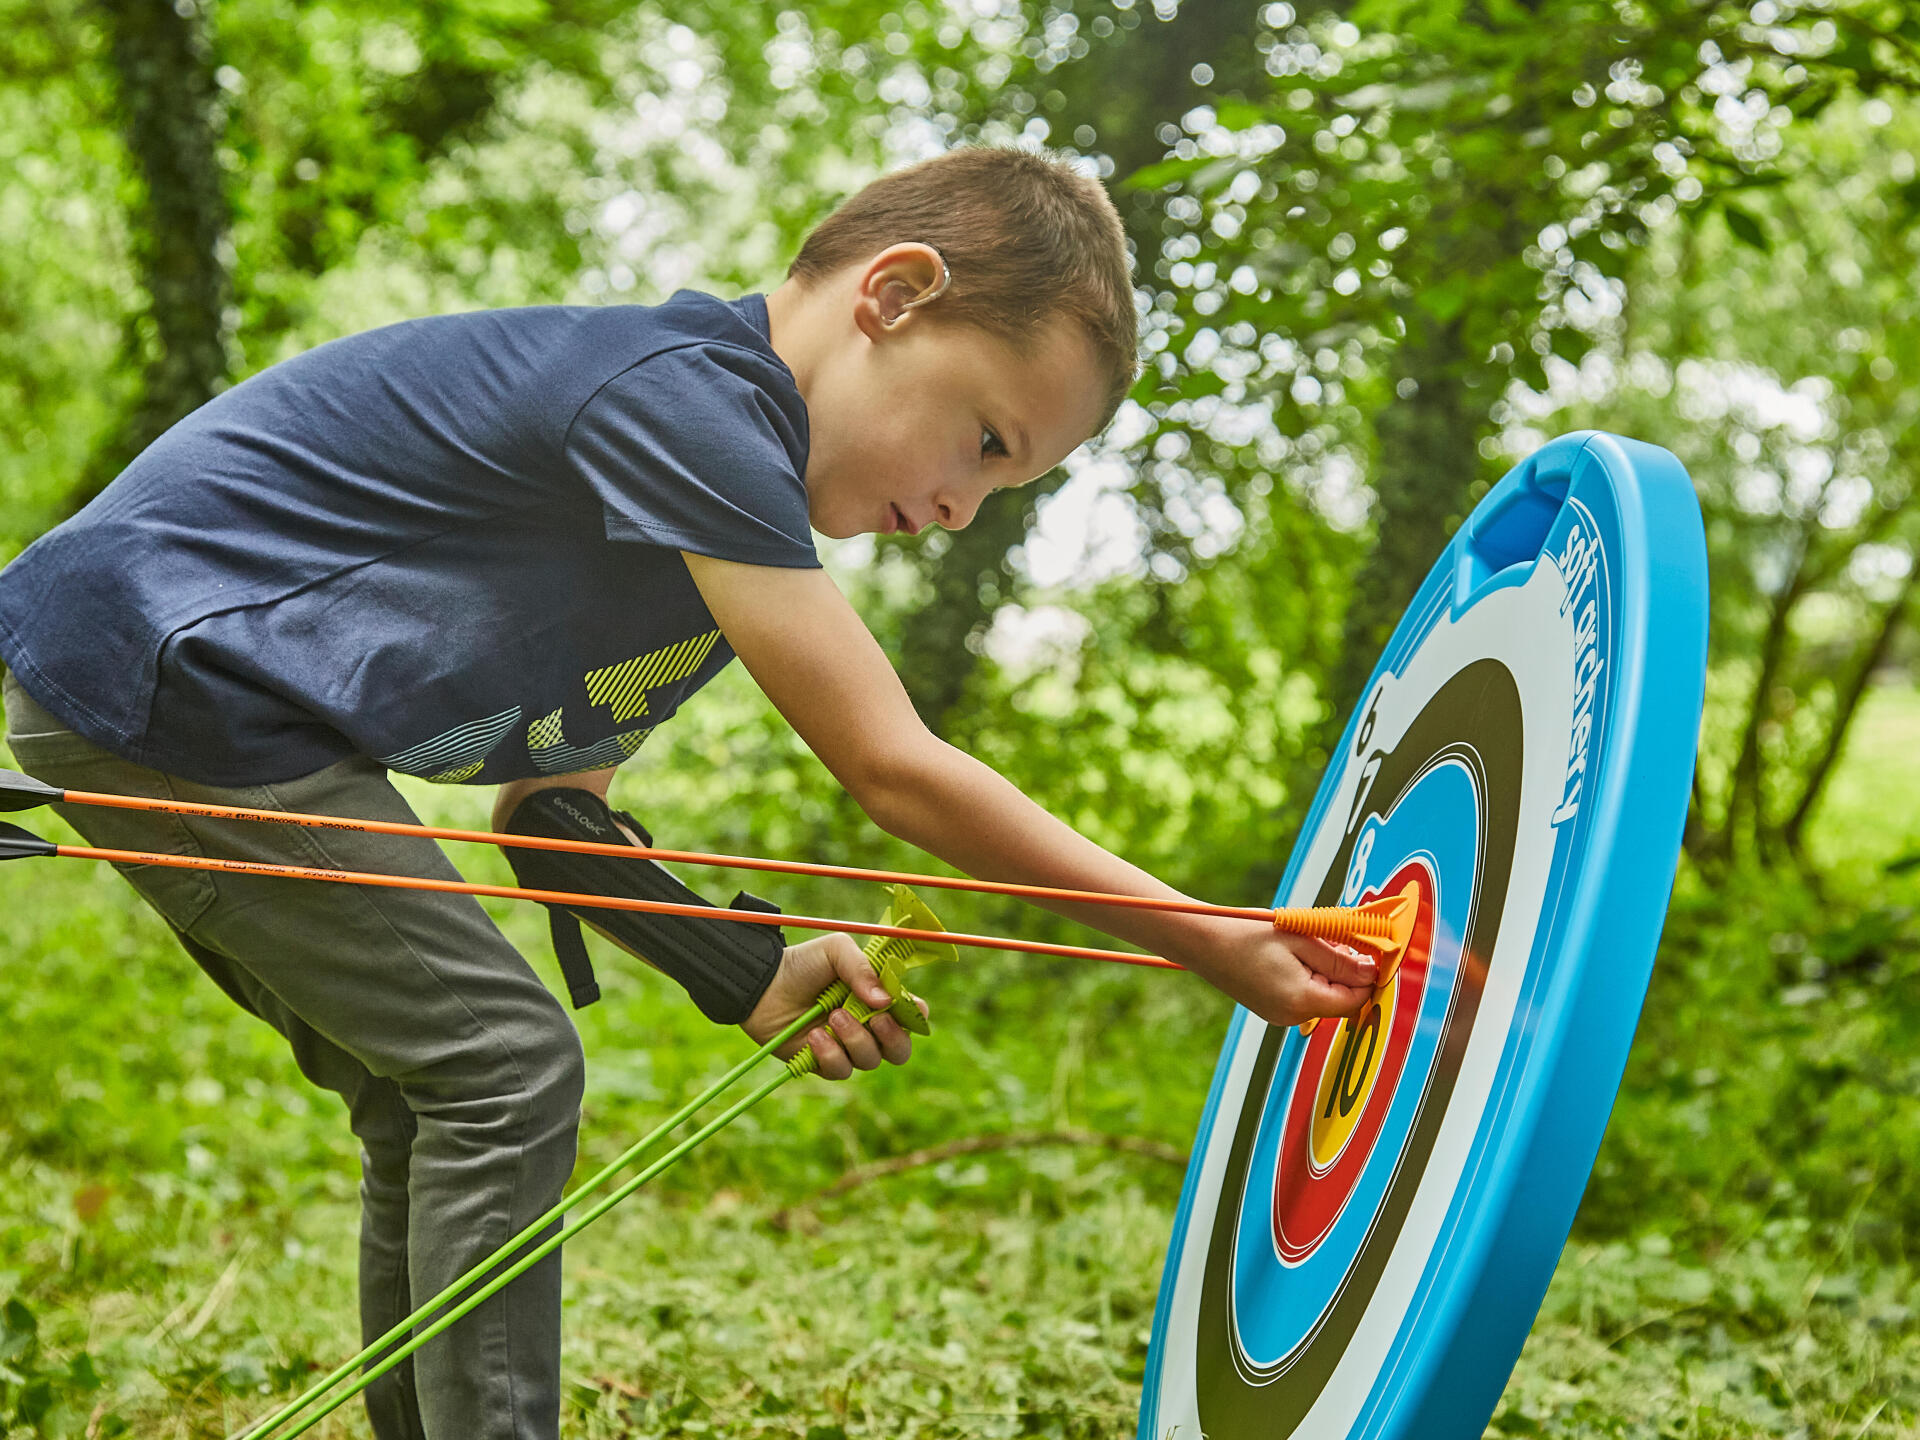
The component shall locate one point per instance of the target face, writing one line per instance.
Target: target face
(1373, 1211)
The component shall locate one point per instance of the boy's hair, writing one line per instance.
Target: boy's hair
(1027, 237)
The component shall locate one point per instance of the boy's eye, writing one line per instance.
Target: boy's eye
(990, 443)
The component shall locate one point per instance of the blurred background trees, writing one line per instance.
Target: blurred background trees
(1384, 248)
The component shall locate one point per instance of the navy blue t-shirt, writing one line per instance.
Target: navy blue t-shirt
(452, 544)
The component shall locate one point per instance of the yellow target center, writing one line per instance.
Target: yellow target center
(1347, 1078)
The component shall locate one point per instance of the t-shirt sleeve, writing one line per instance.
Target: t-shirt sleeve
(701, 448)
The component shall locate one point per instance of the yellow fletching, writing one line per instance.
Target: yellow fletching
(892, 955)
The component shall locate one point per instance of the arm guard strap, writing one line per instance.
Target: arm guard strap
(724, 966)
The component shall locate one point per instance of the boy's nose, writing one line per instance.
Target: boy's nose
(955, 510)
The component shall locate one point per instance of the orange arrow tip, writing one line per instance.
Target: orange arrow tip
(1400, 911)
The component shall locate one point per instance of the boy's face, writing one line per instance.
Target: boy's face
(915, 422)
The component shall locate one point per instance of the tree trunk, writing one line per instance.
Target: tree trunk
(170, 113)
(1793, 832)
(1428, 459)
(1744, 792)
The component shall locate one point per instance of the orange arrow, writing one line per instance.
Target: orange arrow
(1331, 922)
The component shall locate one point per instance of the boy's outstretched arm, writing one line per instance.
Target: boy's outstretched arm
(813, 656)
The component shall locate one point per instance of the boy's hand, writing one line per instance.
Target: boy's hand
(841, 1044)
(1283, 978)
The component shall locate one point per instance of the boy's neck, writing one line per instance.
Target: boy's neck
(800, 325)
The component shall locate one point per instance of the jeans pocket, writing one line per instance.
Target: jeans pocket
(180, 896)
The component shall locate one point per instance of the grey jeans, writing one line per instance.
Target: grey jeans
(461, 1073)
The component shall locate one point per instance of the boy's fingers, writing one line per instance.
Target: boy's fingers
(830, 1061)
(842, 1044)
(853, 967)
(1338, 963)
(1328, 998)
(1321, 1003)
(861, 1047)
(893, 1038)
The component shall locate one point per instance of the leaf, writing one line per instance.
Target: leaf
(1515, 1422)
(35, 1401)
(18, 1330)
(1447, 299)
(1201, 382)
(1239, 115)
(1747, 229)
(1215, 174)
(17, 1319)
(1164, 172)
(1570, 343)
(88, 1200)
(81, 1374)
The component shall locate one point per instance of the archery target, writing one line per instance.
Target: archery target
(1372, 1211)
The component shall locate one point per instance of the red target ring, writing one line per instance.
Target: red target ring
(1346, 1087)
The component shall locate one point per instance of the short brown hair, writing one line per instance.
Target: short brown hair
(1027, 236)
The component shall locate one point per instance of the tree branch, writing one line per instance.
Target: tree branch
(1744, 789)
(1792, 833)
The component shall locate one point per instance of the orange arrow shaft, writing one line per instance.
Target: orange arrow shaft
(602, 902)
(1331, 923)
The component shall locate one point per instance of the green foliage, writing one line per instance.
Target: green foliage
(1779, 377)
(1355, 241)
(380, 161)
(1769, 1337)
(67, 277)
(1772, 1079)
(45, 1398)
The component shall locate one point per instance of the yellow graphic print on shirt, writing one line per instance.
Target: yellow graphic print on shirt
(462, 752)
(624, 687)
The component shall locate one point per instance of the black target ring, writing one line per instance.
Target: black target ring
(1474, 718)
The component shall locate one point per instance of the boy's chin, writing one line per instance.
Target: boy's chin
(840, 529)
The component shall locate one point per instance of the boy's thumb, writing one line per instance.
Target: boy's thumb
(852, 966)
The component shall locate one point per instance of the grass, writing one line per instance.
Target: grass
(177, 1206)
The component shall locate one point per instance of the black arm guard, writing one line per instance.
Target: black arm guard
(724, 965)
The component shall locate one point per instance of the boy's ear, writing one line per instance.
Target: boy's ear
(899, 279)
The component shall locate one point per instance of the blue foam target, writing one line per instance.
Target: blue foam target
(1372, 1213)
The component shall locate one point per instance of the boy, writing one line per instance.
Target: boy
(500, 548)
